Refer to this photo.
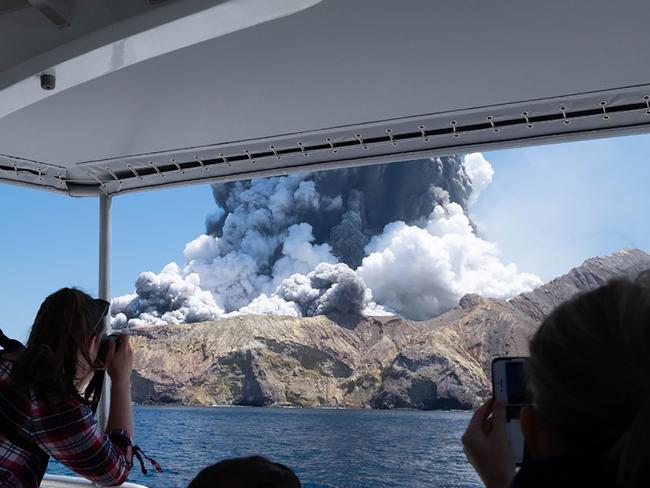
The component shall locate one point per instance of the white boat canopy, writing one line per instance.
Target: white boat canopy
(162, 92)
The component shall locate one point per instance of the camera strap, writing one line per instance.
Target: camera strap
(94, 390)
(10, 345)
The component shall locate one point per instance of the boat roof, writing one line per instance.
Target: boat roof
(165, 92)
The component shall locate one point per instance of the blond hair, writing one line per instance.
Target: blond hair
(589, 371)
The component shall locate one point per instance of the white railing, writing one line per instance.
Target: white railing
(56, 481)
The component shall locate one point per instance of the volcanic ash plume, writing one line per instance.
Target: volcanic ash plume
(329, 288)
(165, 298)
(391, 238)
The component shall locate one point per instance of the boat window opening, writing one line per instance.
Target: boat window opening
(344, 296)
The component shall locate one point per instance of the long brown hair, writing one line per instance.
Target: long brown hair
(589, 371)
(65, 321)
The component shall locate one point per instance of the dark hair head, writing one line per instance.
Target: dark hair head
(65, 321)
(246, 472)
(589, 371)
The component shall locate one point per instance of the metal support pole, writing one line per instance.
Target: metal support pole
(105, 236)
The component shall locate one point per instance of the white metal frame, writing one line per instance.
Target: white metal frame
(105, 255)
(540, 122)
(57, 481)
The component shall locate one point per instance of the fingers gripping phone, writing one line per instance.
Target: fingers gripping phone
(510, 385)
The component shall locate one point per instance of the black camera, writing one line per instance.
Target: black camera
(100, 362)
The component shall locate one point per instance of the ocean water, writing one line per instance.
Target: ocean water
(326, 448)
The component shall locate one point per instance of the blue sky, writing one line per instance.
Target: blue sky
(548, 208)
(50, 241)
(551, 207)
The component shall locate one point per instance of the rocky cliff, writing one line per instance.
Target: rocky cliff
(452, 355)
(267, 360)
(350, 361)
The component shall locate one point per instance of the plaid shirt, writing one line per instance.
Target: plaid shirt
(70, 434)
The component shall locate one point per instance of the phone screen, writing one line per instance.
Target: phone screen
(516, 384)
(511, 386)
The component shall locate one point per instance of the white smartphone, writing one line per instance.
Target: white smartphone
(510, 385)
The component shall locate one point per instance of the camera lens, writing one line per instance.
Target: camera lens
(102, 354)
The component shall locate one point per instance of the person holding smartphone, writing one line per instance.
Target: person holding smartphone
(589, 374)
(42, 413)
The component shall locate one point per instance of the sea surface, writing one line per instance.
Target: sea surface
(326, 448)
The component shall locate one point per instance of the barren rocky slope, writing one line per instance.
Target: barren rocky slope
(267, 360)
(348, 361)
(467, 338)
(591, 274)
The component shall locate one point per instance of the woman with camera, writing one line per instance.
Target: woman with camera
(42, 412)
(589, 375)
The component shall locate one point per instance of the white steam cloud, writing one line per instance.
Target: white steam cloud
(423, 272)
(382, 239)
(480, 172)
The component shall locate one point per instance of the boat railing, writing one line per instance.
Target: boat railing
(58, 481)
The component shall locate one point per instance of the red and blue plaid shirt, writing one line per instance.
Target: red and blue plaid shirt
(70, 434)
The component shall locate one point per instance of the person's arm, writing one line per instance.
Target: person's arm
(119, 363)
(72, 436)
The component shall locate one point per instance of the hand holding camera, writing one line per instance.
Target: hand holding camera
(116, 356)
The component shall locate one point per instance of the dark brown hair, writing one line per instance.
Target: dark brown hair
(64, 323)
(246, 472)
(589, 371)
